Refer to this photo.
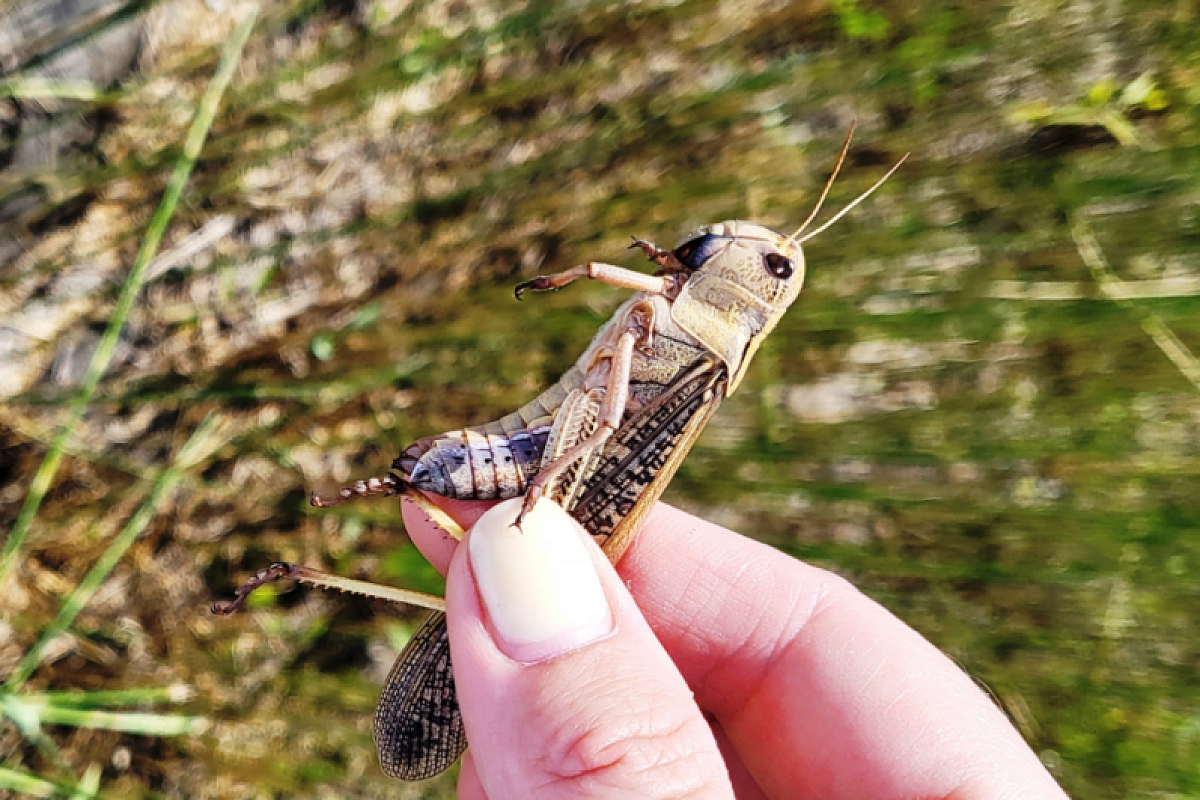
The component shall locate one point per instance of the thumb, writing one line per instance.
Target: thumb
(565, 691)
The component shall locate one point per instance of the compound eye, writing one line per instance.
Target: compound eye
(779, 266)
(694, 253)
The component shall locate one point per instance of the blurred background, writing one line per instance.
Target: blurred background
(982, 410)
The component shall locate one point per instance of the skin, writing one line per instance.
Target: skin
(740, 671)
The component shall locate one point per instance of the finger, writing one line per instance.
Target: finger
(745, 787)
(682, 569)
(564, 690)
(821, 691)
(469, 787)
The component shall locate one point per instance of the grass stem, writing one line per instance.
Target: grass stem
(196, 135)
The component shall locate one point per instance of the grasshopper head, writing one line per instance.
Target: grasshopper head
(743, 278)
(766, 264)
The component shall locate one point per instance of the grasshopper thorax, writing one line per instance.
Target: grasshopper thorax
(743, 278)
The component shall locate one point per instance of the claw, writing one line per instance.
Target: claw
(531, 497)
(538, 284)
(261, 578)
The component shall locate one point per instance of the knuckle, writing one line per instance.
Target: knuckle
(648, 752)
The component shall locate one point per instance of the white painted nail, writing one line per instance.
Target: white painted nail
(538, 582)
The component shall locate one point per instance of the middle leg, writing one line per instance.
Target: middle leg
(612, 410)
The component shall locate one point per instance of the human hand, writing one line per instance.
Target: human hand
(745, 672)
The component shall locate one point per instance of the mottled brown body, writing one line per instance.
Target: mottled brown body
(498, 460)
(603, 442)
(662, 365)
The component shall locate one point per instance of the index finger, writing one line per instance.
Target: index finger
(822, 691)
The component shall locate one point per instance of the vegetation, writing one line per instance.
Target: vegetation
(982, 411)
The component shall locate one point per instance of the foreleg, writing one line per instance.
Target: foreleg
(605, 273)
(664, 258)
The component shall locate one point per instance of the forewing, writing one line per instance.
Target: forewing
(418, 726)
(643, 454)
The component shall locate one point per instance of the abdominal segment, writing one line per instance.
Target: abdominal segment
(468, 464)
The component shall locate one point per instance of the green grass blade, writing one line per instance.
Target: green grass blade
(125, 721)
(89, 784)
(1170, 344)
(28, 721)
(28, 785)
(35, 88)
(179, 693)
(133, 284)
(194, 451)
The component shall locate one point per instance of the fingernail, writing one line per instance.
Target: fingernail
(538, 582)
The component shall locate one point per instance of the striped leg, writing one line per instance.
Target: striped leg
(324, 580)
(387, 485)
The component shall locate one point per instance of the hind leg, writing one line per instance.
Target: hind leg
(324, 580)
(387, 485)
(390, 485)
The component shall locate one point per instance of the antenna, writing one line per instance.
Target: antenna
(856, 201)
(829, 183)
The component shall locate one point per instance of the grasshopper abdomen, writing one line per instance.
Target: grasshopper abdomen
(470, 464)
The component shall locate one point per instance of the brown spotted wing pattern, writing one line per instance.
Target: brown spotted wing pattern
(418, 727)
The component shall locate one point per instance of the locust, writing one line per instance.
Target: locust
(603, 442)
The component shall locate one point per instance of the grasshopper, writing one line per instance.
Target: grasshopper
(603, 442)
